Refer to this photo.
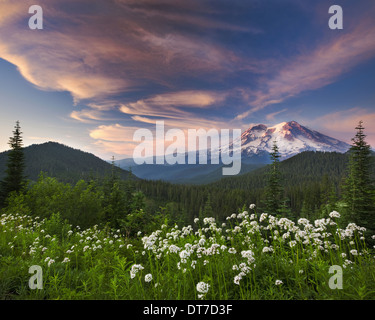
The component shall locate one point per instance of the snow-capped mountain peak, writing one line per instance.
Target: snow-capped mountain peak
(291, 138)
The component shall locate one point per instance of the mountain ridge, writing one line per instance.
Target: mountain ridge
(64, 162)
(291, 139)
(256, 145)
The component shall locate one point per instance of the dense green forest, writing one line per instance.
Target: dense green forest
(84, 189)
(311, 182)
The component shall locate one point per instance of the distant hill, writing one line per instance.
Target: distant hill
(65, 163)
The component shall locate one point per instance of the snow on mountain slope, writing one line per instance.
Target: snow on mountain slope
(291, 139)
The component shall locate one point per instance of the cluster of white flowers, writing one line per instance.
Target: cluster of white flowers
(267, 249)
(334, 214)
(135, 269)
(209, 220)
(202, 288)
(49, 261)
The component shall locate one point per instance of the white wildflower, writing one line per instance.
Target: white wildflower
(148, 277)
(184, 254)
(237, 279)
(278, 282)
(174, 249)
(203, 287)
(247, 254)
(334, 214)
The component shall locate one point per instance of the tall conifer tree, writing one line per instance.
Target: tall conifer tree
(358, 186)
(274, 189)
(14, 179)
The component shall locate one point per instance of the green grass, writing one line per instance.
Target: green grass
(249, 257)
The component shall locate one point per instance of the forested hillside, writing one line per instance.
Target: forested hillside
(310, 180)
(306, 167)
(65, 163)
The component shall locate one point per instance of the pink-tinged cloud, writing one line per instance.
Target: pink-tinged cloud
(131, 45)
(177, 110)
(111, 148)
(170, 105)
(96, 56)
(87, 115)
(114, 133)
(343, 123)
(119, 139)
(114, 139)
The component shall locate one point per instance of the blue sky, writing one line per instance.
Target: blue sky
(99, 70)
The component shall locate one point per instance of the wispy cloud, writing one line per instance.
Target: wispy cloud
(342, 123)
(80, 55)
(314, 69)
(138, 61)
(114, 139)
(271, 116)
(170, 105)
(100, 56)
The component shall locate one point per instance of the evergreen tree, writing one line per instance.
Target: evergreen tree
(114, 198)
(332, 201)
(14, 180)
(207, 211)
(358, 185)
(305, 212)
(274, 189)
(130, 195)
